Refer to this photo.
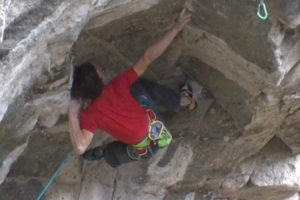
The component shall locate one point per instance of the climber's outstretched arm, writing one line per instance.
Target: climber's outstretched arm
(80, 139)
(159, 47)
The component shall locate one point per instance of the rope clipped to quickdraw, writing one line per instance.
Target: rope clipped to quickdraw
(262, 6)
(58, 170)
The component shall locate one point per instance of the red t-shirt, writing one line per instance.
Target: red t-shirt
(116, 112)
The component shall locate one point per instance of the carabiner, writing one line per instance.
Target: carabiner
(262, 4)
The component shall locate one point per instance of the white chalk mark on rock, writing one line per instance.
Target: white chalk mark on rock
(10, 159)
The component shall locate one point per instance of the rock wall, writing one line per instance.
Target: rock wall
(244, 145)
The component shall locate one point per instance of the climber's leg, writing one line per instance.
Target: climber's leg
(151, 95)
(115, 154)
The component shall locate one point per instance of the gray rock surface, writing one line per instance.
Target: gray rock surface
(244, 145)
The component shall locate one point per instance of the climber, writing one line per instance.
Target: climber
(124, 107)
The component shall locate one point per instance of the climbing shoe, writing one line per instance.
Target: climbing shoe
(94, 154)
(192, 92)
(187, 99)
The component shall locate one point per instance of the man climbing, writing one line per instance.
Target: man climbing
(123, 108)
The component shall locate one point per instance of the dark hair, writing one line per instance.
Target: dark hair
(87, 85)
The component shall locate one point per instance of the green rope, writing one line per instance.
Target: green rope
(54, 175)
(262, 4)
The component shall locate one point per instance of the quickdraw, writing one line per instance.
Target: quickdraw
(262, 5)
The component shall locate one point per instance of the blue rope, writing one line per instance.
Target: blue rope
(58, 170)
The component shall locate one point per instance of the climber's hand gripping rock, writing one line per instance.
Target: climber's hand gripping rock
(183, 19)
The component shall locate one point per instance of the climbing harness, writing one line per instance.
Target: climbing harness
(158, 135)
(262, 5)
(58, 170)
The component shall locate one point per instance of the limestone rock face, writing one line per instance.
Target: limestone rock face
(244, 145)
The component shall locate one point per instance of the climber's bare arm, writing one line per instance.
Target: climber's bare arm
(80, 139)
(159, 47)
